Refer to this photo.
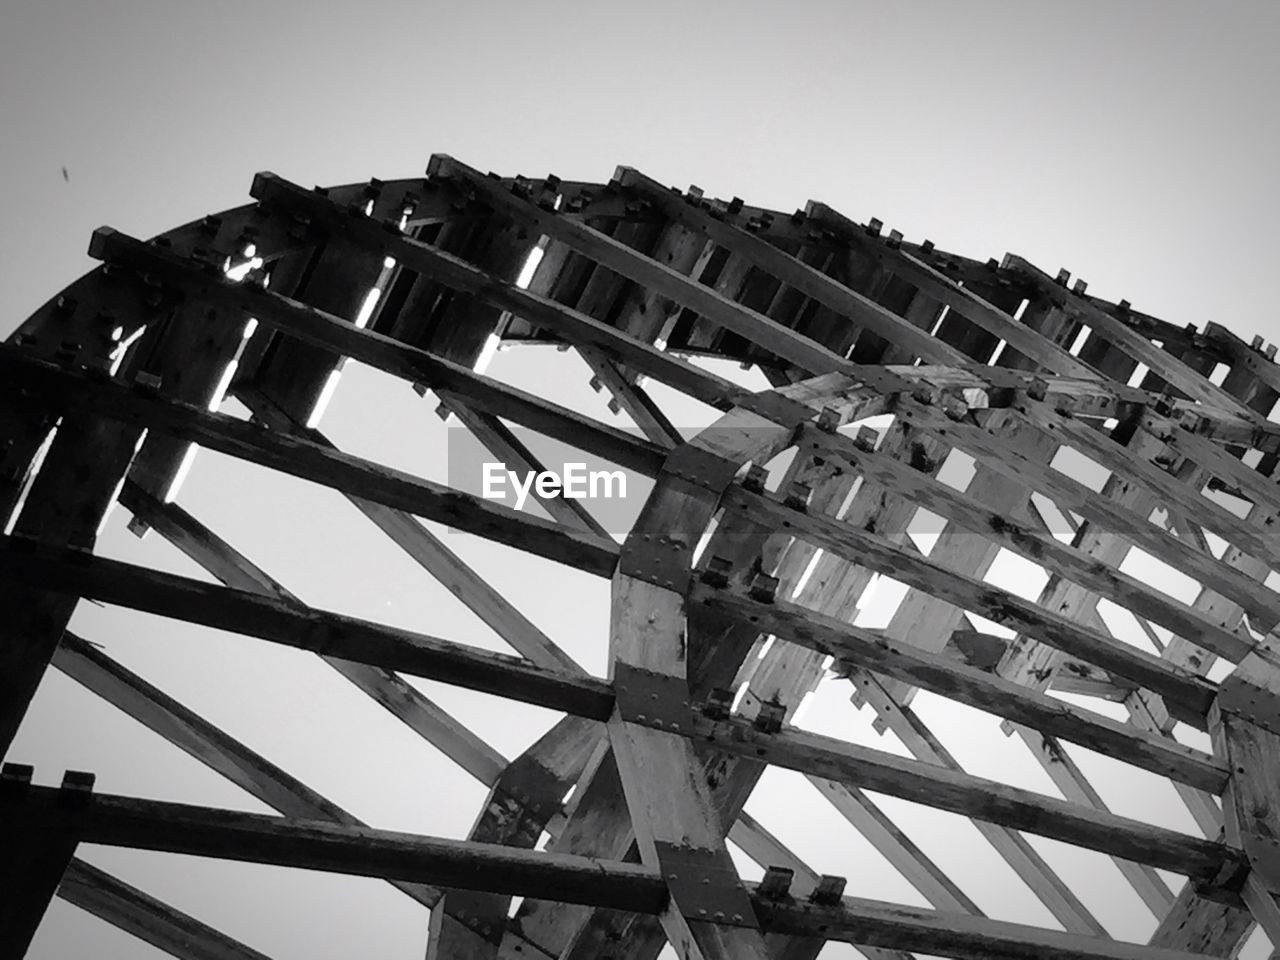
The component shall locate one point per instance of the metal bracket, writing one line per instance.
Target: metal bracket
(665, 561)
(652, 699)
(704, 885)
(1250, 703)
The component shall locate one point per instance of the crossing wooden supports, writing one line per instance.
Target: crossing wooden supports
(951, 490)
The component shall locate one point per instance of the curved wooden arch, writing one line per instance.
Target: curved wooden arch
(996, 361)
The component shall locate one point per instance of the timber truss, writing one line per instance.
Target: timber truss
(733, 595)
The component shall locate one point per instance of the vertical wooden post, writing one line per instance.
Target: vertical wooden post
(1245, 724)
(31, 862)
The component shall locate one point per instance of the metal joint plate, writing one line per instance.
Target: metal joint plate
(665, 561)
(1250, 703)
(704, 885)
(652, 699)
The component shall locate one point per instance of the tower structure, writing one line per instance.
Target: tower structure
(1094, 442)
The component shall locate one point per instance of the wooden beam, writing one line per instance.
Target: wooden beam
(980, 440)
(695, 215)
(1189, 692)
(577, 327)
(859, 921)
(403, 701)
(1159, 361)
(291, 624)
(996, 525)
(964, 684)
(316, 845)
(62, 389)
(1031, 344)
(969, 796)
(774, 337)
(1011, 845)
(150, 920)
(414, 365)
(191, 733)
(1245, 725)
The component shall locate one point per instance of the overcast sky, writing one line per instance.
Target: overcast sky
(1134, 144)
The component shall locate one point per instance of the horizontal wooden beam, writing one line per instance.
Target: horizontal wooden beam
(291, 624)
(779, 339)
(943, 934)
(574, 326)
(232, 835)
(315, 845)
(1140, 348)
(967, 515)
(945, 676)
(1184, 690)
(60, 389)
(976, 797)
(322, 329)
(826, 290)
(980, 439)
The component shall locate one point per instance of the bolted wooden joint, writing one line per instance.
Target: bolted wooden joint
(770, 717)
(76, 788)
(764, 588)
(719, 704)
(798, 495)
(717, 572)
(866, 439)
(755, 479)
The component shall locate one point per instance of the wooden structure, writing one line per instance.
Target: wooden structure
(731, 598)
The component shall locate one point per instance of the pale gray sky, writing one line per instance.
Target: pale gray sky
(1134, 144)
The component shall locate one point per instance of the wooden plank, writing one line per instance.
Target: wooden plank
(1013, 848)
(835, 587)
(536, 307)
(964, 684)
(774, 337)
(859, 921)
(469, 924)
(195, 736)
(310, 461)
(996, 525)
(316, 845)
(150, 920)
(305, 628)
(434, 556)
(790, 270)
(524, 796)
(1189, 692)
(1097, 446)
(963, 301)
(975, 797)
(1161, 362)
(982, 442)
(315, 326)
(768, 851)
(387, 689)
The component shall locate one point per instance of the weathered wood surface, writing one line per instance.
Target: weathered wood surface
(630, 270)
